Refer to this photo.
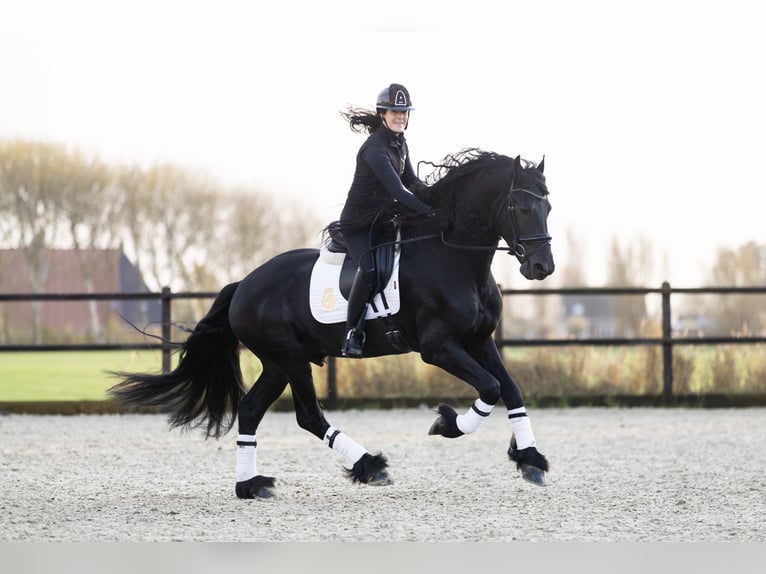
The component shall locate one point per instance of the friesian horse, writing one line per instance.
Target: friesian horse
(450, 306)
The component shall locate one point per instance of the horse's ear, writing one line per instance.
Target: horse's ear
(517, 167)
(541, 165)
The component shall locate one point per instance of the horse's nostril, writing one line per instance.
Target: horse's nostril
(542, 271)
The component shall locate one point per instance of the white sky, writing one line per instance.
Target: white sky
(651, 114)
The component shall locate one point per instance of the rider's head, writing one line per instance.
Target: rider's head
(394, 105)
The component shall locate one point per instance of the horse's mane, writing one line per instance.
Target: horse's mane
(448, 174)
(462, 163)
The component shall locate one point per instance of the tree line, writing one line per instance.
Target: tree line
(632, 263)
(180, 228)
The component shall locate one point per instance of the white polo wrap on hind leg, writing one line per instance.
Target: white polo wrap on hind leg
(338, 441)
(245, 457)
(472, 419)
(522, 428)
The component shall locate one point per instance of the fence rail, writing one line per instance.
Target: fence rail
(666, 341)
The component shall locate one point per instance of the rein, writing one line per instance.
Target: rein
(405, 241)
(518, 247)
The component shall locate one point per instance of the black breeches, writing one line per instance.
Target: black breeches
(358, 245)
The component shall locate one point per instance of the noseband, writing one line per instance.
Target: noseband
(520, 244)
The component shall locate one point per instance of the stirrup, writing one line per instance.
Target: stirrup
(353, 344)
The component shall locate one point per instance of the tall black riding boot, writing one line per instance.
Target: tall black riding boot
(358, 299)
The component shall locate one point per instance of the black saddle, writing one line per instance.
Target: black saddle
(383, 255)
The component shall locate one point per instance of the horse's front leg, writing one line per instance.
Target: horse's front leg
(484, 370)
(523, 448)
(454, 359)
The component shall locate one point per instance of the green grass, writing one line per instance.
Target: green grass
(67, 376)
(79, 375)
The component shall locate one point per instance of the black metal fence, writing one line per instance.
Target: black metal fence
(166, 297)
(667, 341)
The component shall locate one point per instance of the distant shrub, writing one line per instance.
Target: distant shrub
(565, 372)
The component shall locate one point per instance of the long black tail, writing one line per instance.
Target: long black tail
(206, 386)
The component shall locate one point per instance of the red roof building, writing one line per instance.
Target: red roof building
(93, 271)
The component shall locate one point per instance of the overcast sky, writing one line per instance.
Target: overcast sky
(650, 114)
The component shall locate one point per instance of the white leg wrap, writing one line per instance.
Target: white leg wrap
(338, 441)
(522, 428)
(472, 419)
(245, 457)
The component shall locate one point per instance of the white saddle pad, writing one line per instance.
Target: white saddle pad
(329, 306)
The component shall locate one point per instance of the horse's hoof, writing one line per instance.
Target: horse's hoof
(533, 474)
(446, 424)
(370, 469)
(256, 487)
(381, 479)
(532, 464)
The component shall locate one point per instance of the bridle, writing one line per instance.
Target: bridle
(520, 244)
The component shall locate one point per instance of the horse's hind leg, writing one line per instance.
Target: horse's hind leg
(365, 468)
(267, 389)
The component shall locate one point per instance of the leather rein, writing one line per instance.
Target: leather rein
(520, 244)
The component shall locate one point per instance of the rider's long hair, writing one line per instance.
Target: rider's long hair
(362, 120)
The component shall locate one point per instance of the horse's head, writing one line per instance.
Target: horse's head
(523, 220)
(491, 195)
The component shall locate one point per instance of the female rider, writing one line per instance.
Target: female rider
(384, 181)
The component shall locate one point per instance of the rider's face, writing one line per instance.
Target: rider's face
(396, 120)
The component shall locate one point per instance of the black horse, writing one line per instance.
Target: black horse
(449, 307)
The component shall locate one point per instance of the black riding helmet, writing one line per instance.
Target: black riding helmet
(394, 97)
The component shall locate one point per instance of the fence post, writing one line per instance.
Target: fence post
(166, 330)
(332, 383)
(667, 346)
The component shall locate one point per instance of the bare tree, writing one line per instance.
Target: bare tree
(90, 207)
(572, 273)
(134, 222)
(629, 267)
(30, 173)
(170, 216)
(744, 266)
(254, 227)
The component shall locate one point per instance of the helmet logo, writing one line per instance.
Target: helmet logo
(400, 99)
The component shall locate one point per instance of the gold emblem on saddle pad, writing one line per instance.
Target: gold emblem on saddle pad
(328, 299)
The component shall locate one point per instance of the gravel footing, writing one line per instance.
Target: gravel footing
(647, 474)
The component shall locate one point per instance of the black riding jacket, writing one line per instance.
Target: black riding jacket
(382, 180)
